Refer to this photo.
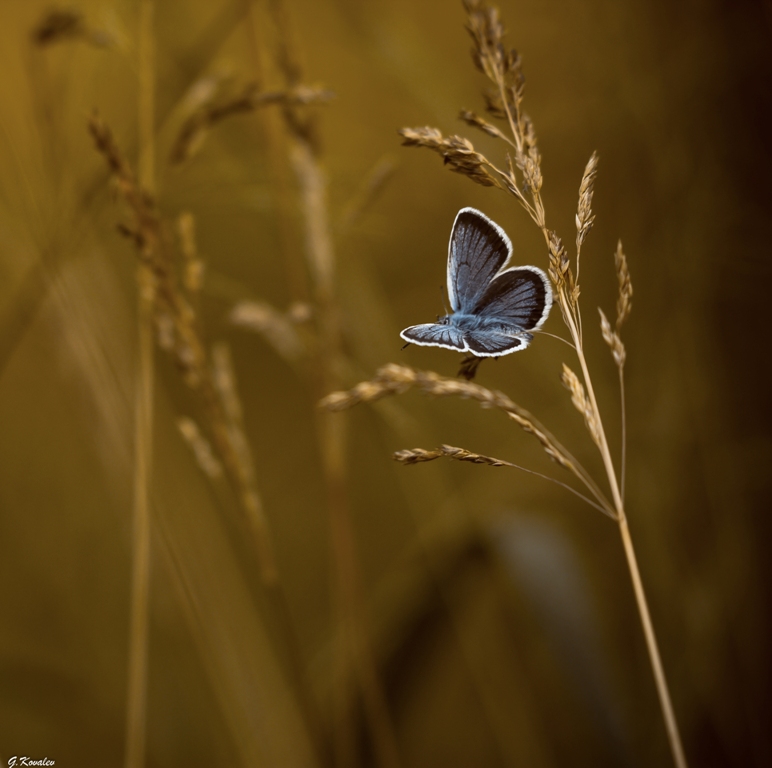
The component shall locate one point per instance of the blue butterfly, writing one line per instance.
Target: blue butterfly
(493, 308)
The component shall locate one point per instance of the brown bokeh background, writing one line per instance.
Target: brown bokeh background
(499, 607)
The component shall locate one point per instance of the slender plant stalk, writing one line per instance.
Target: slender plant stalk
(623, 469)
(281, 181)
(355, 642)
(663, 691)
(651, 643)
(354, 638)
(140, 582)
(136, 714)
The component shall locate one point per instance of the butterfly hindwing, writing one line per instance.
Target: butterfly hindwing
(478, 249)
(520, 295)
(435, 335)
(493, 344)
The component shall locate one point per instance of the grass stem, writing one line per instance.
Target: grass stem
(136, 705)
(651, 643)
(623, 470)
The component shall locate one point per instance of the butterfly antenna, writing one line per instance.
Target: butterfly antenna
(445, 306)
(404, 346)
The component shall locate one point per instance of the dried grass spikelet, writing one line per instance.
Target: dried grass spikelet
(457, 152)
(486, 31)
(415, 455)
(419, 455)
(225, 381)
(625, 298)
(139, 201)
(493, 103)
(473, 119)
(461, 454)
(612, 338)
(562, 276)
(193, 266)
(581, 402)
(501, 65)
(200, 446)
(164, 328)
(584, 215)
(503, 68)
(174, 314)
(529, 160)
(277, 328)
(396, 379)
(299, 312)
(195, 129)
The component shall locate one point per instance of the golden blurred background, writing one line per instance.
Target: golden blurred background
(436, 615)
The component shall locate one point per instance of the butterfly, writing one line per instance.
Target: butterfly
(493, 308)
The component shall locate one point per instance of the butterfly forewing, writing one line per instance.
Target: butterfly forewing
(478, 250)
(435, 335)
(521, 295)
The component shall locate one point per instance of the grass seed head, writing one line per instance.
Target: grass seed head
(276, 327)
(584, 214)
(457, 152)
(612, 338)
(581, 402)
(415, 456)
(200, 446)
(625, 299)
(473, 119)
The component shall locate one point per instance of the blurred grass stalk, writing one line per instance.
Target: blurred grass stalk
(170, 305)
(355, 647)
(136, 704)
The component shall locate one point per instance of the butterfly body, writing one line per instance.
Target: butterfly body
(493, 308)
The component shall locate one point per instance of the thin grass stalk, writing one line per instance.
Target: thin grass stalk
(332, 427)
(136, 704)
(271, 136)
(419, 455)
(288, 642)
(275, 151)
(671, 724)
(663, 691)
(355, 642)
(623, 408)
